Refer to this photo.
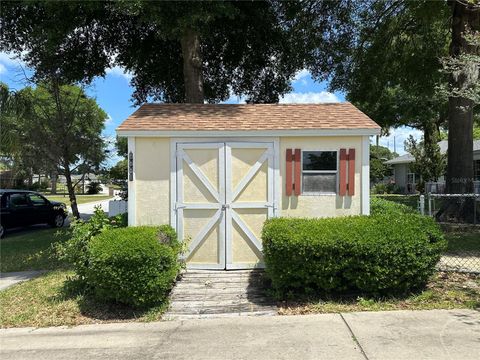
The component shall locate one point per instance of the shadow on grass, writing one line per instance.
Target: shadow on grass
(443, 290)
(94, 308)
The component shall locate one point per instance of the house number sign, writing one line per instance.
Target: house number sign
(130, 166)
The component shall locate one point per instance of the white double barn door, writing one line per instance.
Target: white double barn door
(224, 193)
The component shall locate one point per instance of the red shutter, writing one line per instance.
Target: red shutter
(289, 174)
(351, 172)
(343, 172)
(297, 180)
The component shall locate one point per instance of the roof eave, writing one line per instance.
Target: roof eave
(393, 162)
(234, 133)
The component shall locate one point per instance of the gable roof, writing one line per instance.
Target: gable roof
(407, 158)
(178, 118)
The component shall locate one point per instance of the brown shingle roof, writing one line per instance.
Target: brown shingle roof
(235, 117)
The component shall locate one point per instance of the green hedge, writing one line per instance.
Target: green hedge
(136, 266)
(379, 206)
(378, 255)
(407, 200)
(74, 251)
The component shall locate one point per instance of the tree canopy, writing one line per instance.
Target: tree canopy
(393, 63)
(59, 127)
(251, 49)
(378, 169)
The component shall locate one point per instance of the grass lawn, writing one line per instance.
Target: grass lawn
(81, 199)
(30, 250)
(45, 301)
(463, 242)
(444, 291)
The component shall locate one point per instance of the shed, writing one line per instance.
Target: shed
(217, 172)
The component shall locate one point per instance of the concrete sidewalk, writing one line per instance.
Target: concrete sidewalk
(396, 335)
(12, 278)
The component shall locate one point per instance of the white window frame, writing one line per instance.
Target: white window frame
(319, 193)
(414, 177)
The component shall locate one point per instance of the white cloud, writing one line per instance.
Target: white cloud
(235, 99)
(108, 120)
(309, 97)
(396, 140)
(302, 76)
(119, 71)
(10, 60)
(3, 69)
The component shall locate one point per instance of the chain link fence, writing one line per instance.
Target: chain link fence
(468, 262)
(463, 254)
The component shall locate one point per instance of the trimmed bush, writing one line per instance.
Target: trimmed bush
(136, 266)
(382, 188)
(379, 206)
(377, 255)
(74, 251)
(408, 200)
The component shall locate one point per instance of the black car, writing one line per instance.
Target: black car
(24, 208)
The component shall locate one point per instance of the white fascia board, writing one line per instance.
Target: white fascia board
(392, 162)
(239, 133)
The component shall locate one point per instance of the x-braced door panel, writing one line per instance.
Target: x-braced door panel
(249, 197)
(224, 194)
(200, 197)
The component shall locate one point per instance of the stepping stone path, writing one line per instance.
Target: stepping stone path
(210, 293)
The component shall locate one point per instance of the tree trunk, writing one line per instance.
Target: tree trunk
(192, 67)
(54, 183)
(459, 179)
(460, 110)
(71, 193)
(431, 133)
(30, 180)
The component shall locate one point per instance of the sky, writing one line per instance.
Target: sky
(113, 94)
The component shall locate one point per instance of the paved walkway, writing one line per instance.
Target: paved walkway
(12, 278)
(395, 335)
(210, 293)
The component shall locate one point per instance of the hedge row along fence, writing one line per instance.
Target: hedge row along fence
(391, 252)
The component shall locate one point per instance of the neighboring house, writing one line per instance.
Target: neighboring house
(83, 183)
(217, 172)
(407, 180)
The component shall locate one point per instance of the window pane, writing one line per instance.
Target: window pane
(36, 199)
(319, 160)
(321, 183)
(18, 200)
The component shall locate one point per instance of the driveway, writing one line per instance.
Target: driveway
(396, 335)
(86, 210)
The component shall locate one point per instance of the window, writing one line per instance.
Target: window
(18, 200)
(319, 172)
(411, 178)
(37, 200)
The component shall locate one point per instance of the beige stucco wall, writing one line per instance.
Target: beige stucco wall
(324, 205)
(152, 181)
